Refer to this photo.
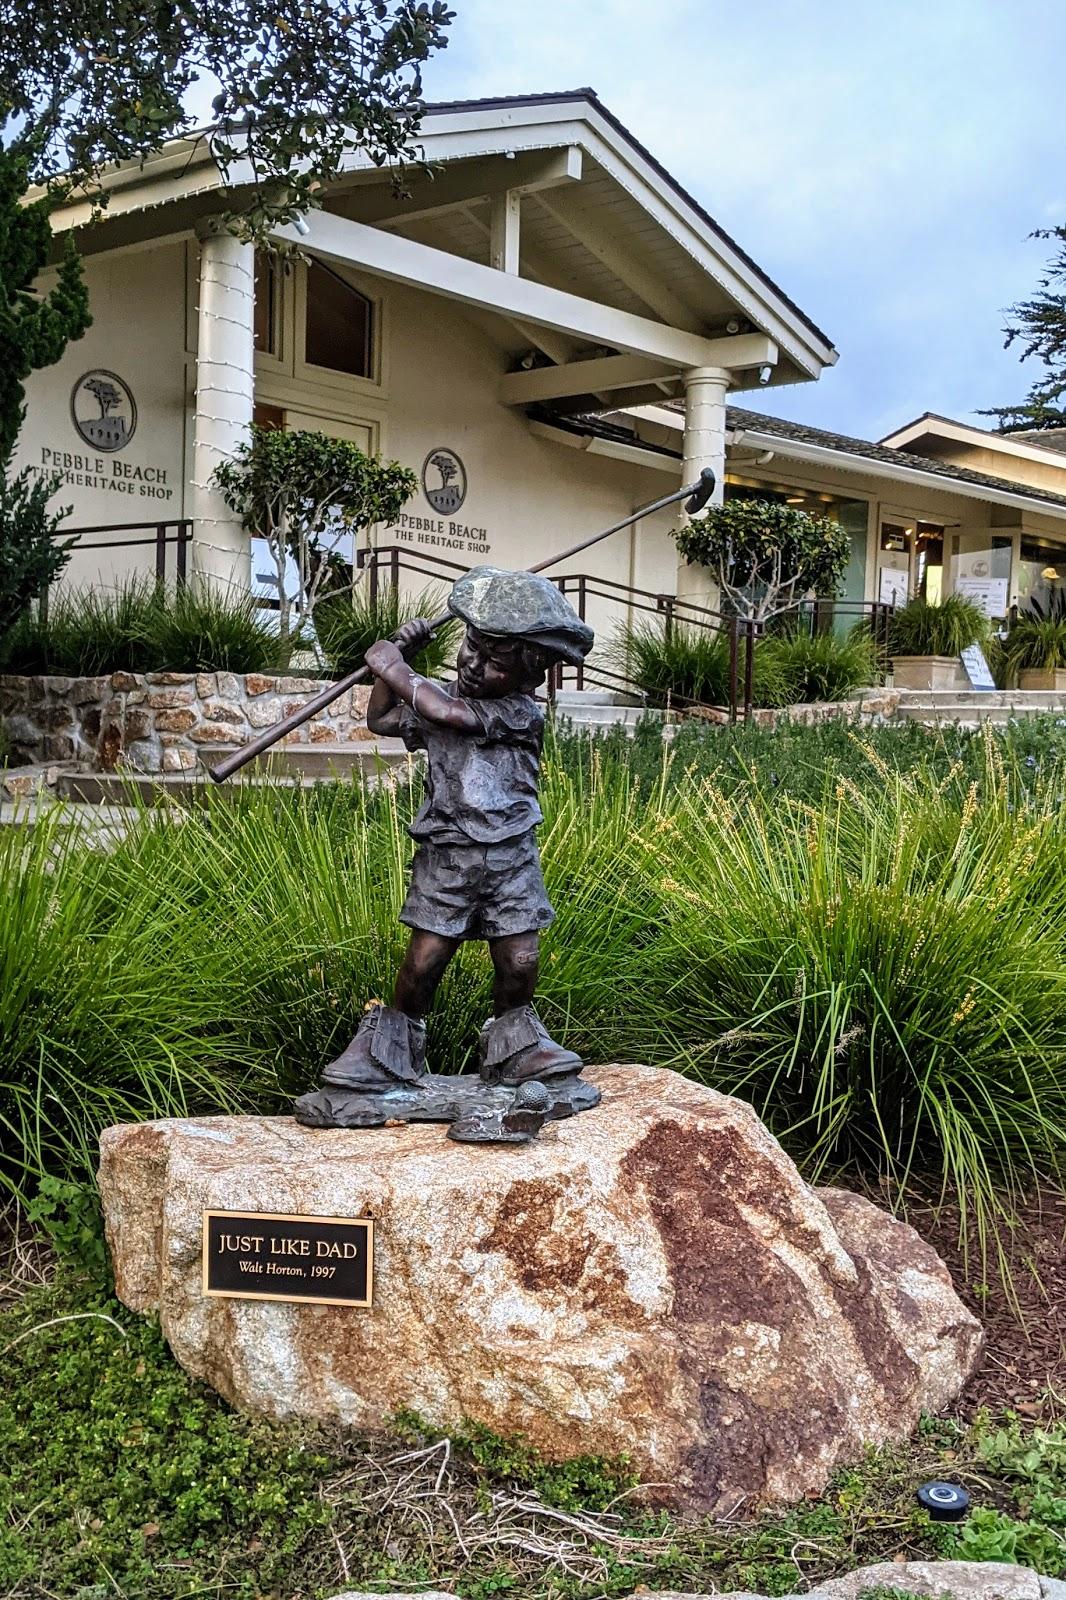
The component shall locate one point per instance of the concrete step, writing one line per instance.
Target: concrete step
(968, 715)
(604, 716)
(366, 757)
(1027, 700)
(596, 697)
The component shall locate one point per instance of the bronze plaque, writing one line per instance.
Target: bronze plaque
(260, 1255)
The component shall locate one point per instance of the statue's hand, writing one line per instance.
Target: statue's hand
(382, 656)
(412, 636)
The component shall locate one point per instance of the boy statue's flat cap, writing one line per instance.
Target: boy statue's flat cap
(521, 605)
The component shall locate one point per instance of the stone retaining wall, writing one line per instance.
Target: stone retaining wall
(871, 706)
(163, 721)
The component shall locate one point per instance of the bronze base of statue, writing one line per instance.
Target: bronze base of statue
(478, 1112)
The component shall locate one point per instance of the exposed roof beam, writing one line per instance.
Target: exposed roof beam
(578, 377)
(419, 265)
(611, 252)
(627, 371)
(505, 231)
(467, 183)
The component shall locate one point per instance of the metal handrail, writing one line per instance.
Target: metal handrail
(743, 633)
(182, 538)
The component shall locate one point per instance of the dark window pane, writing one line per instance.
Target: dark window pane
(338, 324)
(265, 304)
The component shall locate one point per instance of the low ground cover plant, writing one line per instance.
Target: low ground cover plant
(876, 957)
(141, 627)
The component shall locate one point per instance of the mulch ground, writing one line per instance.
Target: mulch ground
(1024, 1367)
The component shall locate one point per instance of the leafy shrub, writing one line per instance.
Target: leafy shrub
(945, 629)
(348, 625)
(138, 627)
(765, 555)
(31, 556)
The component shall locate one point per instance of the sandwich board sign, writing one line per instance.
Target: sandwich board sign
(977, 669)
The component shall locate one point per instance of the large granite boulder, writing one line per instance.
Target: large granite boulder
(652, 1278)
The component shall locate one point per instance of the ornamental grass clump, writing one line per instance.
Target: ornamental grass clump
(348, 624)
(883, 974)
(687, 666)
(138, 626)
(944, 628)
(1037, 641)
(873, 954)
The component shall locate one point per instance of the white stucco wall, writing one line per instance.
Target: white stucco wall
(138, 301)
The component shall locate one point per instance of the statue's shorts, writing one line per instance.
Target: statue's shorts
(477, 891)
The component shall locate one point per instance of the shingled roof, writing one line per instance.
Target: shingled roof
(755, 422)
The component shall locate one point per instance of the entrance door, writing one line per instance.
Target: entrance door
(894, 559)
(910, 562)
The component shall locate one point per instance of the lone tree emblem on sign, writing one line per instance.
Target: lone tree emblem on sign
(447, 494)
(113, 426)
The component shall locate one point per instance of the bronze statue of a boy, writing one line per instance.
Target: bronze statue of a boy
(476, 872)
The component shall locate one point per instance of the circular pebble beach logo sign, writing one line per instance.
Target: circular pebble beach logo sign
(103, 410)
(444, 481)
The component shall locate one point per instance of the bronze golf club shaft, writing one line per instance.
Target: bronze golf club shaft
(696, 495)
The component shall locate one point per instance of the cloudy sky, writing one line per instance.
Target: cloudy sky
(884, 163)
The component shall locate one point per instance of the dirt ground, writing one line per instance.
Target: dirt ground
(1024, 1367)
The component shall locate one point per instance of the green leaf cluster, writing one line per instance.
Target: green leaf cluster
(766, 555)
(300, 85)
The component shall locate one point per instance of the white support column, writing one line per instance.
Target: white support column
(704, 446)
(224, 397)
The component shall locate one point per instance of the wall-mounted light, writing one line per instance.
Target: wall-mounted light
(300, 224)
(765, 374)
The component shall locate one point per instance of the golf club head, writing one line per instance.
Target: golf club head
(696, 501)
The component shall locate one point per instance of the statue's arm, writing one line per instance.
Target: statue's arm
(397, 680)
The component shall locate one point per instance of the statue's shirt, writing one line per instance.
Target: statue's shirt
(481, 787)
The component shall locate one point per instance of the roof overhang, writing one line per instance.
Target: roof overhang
(182, 181)
(931, 426)
(834, 459)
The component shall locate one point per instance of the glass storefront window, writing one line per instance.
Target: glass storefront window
(339, 323)
(1041, 572)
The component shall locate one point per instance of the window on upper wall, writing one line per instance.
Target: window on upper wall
(339, 325)
(265, 314)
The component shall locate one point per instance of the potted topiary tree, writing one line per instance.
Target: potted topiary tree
(1036, 646)
(926, 641)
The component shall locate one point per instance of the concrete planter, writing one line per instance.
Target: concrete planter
(163, 721)
(928, 672)
(1042, 678)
